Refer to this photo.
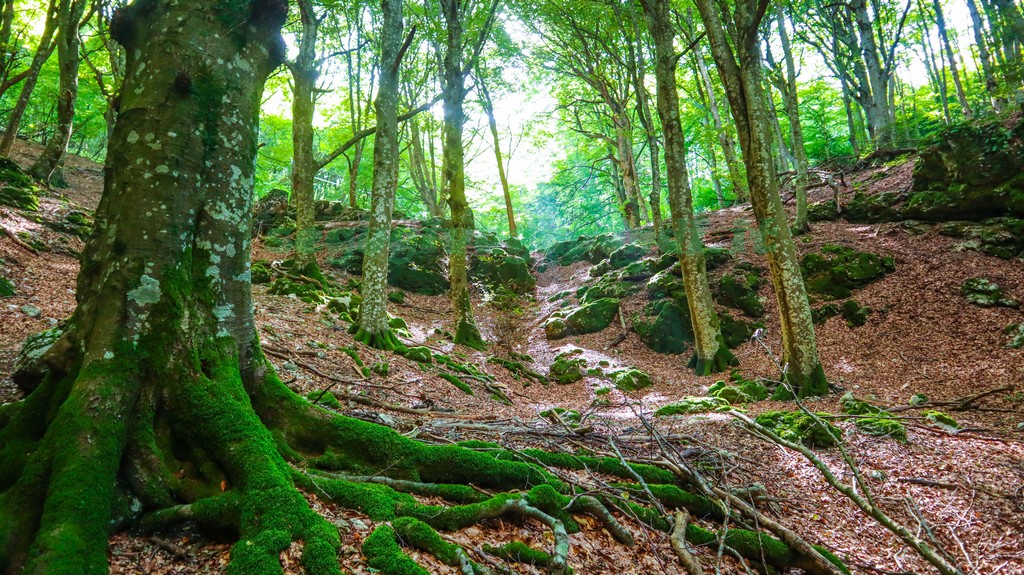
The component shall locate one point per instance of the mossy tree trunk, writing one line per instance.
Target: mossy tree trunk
(305, 73)
(466, 331)
(162, 350)
(28, 86)
(740, 71)
(791, 99)
(374, 329)
(69, 59)
(711, 355)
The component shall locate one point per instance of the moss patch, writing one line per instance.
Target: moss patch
(838, 270)
(17, 188)
(799, 427)
(589, 318)
(873, 420)
(986, 293)
(631, 379)
(567, 368)
(692, 405)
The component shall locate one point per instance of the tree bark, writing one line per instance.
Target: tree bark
(711, 355)
(961, 95)
(374, 329)
(305, 73)
(792, 102)
(991, 84)
(162, 348)
(638, 72)
(738, 180)
(488, 106)
(42, 54)
(741, 74)
(69, 60)
(466, 331)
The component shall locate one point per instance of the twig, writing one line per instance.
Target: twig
(959, 404)
(17, 241)
(678, 540)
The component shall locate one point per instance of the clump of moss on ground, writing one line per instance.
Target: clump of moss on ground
(986, 293)
(567, 368)
(799, 427)
(739, 389)
(17, 188)
(838, 270)
(873, 420)
(631, 379)
(692, 405)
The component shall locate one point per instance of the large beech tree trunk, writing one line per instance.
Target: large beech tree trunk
(466, 331)
(374, 329)
(162, 349)
(711, 355)
(740, 71)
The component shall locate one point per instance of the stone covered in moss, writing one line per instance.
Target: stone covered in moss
(999, 237)
(418, 354)
(664, 326)
(739, 289)
(620, 258)
(825, 312)
(607, 287)
(585, 248)
(943, 420)
(872, 419)
(589, 318)
(497, 267)
(17, 188)
(262, 272)
(692, 405)
(985, 293)
(855, 314)
(838, 270)
(739, 390)
(822, 211)
(798, 427)
(736, 332)
(567, 368)
(631, 379)
(666, 284)
(6, 287)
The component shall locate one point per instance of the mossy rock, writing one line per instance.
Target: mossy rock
(738, 290)
(855, 314)
(76, 223)
(823, 211)
(631, 379)
(418, 354)
(570, 416)
(872, 419)
(666, 284)
(593, 249)
(998, 237)
(262, 272)
(396, 297)
(608, 286)
(986, 293)
(664, 326)
(798, 427)
(739, 390)
(6, 287)
(620, 258)
(589, 318)
(1016, 333)
(837, 270)
(496, 267)
(736, 332)
(17, 188)
(692, 405)
(942, 420)
(825, 312)
(567, 368)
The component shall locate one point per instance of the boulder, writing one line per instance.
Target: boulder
(837, 270)
(17, 188)
(738, 290)
(664, 326)
(631, 379)
(588, 318)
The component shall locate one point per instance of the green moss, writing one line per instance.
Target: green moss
(454, 380)
(855, 314)
(418, 354)
(837, 270)
(569, 416)
(262, 272)
(739, 290)
(418, 534)
(984, 293)
(631, 379)
(739, 390)
(1016, 333)
(691, 405)
(823, 313)
(943, 420)
(324, 398)
(799, 427)
(873, 420)
(384, 554)
(518, 370)
(396, 297)
(520, 552)
(567, 368)
(664, 326)
(17, 188)
(589, 318)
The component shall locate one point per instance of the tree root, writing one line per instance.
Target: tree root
(383, 340)
(722, 361)
(467, 334)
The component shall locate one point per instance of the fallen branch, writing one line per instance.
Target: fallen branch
(678, 540)
(18, 242)
(959, 404)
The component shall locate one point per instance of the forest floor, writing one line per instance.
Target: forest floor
(965, 489)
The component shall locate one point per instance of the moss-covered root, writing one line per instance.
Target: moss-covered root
(762, 549)
(384, 340)
(813, 384)
(383, 552)
(722, 360)
(467, 334)
(262, 501)
(520, 553)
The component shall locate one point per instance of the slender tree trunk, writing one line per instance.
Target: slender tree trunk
(738, 180)
(466, 331)
(638, 73)
(991, 84)
(42, 54)
(422, 175)
(935, 73)
(741, 75)
(488, 106)
(878, 109)
(305, 74)
(353, 174)
(711, 355)
(374, 329)
(627, 168)
(961, 95)
(1011, 28)
(792, 102)
(70, 13)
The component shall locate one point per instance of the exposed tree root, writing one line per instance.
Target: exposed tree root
(722, 361)
(467, 334)
(384, 340)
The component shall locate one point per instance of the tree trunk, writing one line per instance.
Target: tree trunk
(627, 168)
(374, 329)
(353, 174)
(738, 180)
(711, 355)
(792, 102)
(878, 105)
(1011, 29)
(422, 174)
(493, 124)
(741, 75)
(961, 95)
(69, 59)
(466, 331)
(162, 348)
(638, 72)
(305, 73)
(991, 84)
(42, 54)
